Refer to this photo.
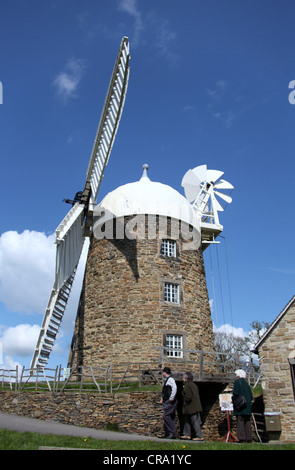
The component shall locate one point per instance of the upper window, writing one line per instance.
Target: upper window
(168, 248)
(171, 292)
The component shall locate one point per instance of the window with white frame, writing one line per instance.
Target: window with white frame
(171, 292)
(168, 248)
(174, 345)
(292, 370)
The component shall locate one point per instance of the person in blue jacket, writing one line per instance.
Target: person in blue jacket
(241, 387)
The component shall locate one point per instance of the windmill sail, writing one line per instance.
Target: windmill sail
(70, 234)
(69, 244)
(110, 119)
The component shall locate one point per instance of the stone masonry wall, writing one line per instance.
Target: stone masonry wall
(122, 314)
(136, 412)
(277, 386)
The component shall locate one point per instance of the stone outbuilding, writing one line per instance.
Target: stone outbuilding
(276, 350)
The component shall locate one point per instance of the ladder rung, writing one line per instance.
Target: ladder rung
(44, 353)
(66, 289)
(59, 311)
(53, 328)
(51, 334)
(48, 341)
(57, 315)
(62, 297)
(61, 303)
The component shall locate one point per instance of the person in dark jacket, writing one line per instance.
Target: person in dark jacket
(241, 387)
(191, 409)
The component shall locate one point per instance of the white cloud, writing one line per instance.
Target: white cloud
(229, 118)
(26, 270)
(163, 39)
(19, 340)
(166, 38)
(10, 364)
(283, 271)
(27, 266)
(130, 7)
(219, 95)
(67, 81)
(229, 329)
(188, 107)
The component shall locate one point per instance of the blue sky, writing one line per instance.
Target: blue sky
(208, 85)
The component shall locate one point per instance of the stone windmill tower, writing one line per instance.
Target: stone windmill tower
(144, 286)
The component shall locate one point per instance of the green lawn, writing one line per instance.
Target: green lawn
(13, 440)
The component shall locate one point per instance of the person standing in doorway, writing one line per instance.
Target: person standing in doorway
(191, 409)
(241, 387)
(169, 403)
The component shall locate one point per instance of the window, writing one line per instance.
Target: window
(171, 292)
(292, 370)
(168, 248)
(175, 343)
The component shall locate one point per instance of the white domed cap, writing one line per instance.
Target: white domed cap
(148, 197)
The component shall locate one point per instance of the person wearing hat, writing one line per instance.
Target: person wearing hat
(241, 387)
(191, 409)
(169, 403)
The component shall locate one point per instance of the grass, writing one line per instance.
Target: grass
(13, 440)
(88, 387)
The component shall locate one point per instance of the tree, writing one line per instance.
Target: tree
(229, 347)
(257, 331)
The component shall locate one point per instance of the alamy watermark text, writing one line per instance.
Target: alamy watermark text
(292, 94)
(145, 226)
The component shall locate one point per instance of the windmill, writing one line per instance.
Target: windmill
(204, 188)
(77, 224)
